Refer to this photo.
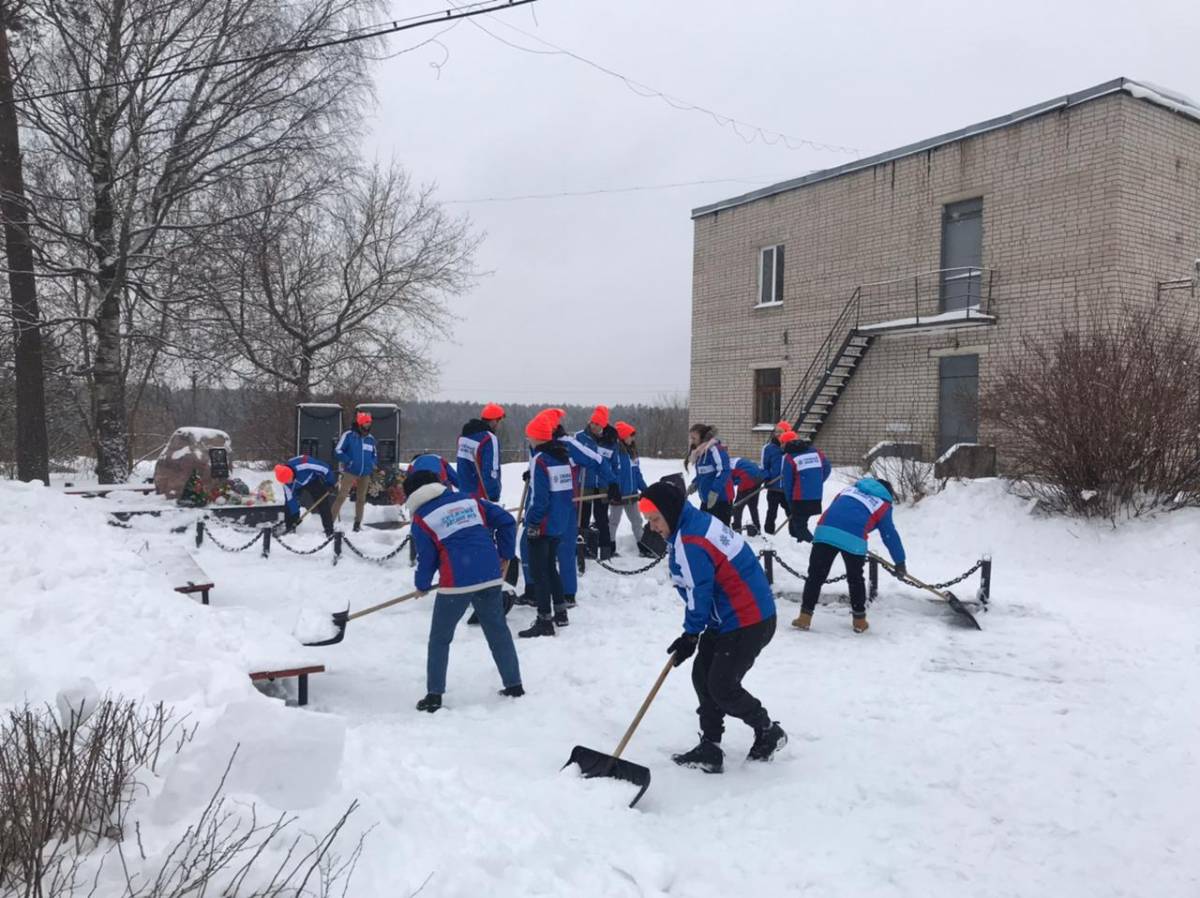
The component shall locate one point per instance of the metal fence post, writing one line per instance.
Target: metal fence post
(873, 576)
(199, 533)
(985, 580)
(266, 540)
(769, 567)
(337, 546)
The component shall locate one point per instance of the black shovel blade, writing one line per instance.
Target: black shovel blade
(340, 619)
(594, 763)
(959, 608)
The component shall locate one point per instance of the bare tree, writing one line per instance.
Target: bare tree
(338, 281)
(141, 110)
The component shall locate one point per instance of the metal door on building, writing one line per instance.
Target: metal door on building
(962, 255)
(958, 401)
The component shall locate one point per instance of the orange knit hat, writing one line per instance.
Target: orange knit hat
(541, 428)
(600, 416)
(284, 473)
(492, 412)
(625, 430)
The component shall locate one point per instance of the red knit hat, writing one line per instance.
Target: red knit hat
(784, 426)
(362, 419)
(284, 473)
(541, 428)
(492, 412)
(625, 430)
(788, 436)
(645, 506)
(600, 416)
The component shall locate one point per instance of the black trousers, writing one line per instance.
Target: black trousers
(819, 563)
(751, 505)
(310, 493)
(799, 512)
(775, 501)
(722, 511)
(597, 511)
(545, 582)
(722, 660)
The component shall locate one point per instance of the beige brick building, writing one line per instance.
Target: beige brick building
(934, 262)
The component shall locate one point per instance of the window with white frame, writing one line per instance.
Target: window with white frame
(770, 275)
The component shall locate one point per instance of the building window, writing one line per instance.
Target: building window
(767, 389)
(770, 275)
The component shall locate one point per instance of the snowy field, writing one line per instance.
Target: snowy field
(1052, 754)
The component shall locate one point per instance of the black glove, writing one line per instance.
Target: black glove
(901, 570)
(614, 494)
(683, 647)
(525, 475)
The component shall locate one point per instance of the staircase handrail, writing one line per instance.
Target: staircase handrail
(821, 358)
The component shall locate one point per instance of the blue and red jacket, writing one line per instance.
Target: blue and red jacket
(804, 475)
(717, 574)
(629, 473)
(306, 470)
(437, 466)
(746, 474)
(462, 538)
(356, 451)
(549, 505)
(714, 472)
(854, 513)
(479, 461)
(771, 464)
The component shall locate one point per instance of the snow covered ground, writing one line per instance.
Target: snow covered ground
(1054, 753)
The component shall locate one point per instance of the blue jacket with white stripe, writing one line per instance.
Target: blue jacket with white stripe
(717, 575)
(804, 475)
(306, 470)
(436, 465)
(356, 452)
(597, 459)
(461, 538)
(479, 461)
(549, 506)
(714, 473)
(629, 473)
(770, 462)
(854, 513)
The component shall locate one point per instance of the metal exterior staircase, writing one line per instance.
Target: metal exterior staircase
(830, 386)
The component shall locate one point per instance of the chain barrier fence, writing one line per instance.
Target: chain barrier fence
(267, 536)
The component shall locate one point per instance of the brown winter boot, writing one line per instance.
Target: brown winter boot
(804, 621)
(860, 624)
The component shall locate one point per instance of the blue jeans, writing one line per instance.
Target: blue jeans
(447, 612)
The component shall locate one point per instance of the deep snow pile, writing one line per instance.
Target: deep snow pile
(1054, 753)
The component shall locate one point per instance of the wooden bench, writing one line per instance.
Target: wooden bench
(301, 673)
(103, 489)
(182, 572)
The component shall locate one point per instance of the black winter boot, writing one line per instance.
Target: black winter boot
(767, 742)
(513, 691)
(430, 703)
(569, 599)
(560, 618)
(527, 598)
(542, 626)
(357, 526)
(706, 756)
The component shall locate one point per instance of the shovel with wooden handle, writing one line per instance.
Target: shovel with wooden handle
(594, 763)
(946, 596)
(341, 618)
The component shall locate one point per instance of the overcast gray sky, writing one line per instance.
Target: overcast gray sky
(588, 298)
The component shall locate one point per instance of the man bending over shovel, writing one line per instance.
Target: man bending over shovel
(463, 540)
(730, 618)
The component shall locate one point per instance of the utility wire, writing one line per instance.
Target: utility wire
(747, 131)
(364, 33)
(606, 190)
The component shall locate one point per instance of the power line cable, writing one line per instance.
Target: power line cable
(599, 191)
(366, 32)
(747, 131)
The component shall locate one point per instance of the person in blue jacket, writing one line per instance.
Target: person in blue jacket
(306, 478)
(356, 453)
(464, 541)
(714, 476)
(805, 470)
(594, 449)
(747, 480)
(771, 463)
(629, 483)
(479, 454)
(436, 465)
(548, 510)
(844, 528)
(729, 619)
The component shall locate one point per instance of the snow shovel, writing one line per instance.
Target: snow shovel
(946, 596)
(341, 618)
(594, 763)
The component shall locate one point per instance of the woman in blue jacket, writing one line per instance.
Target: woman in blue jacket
(464, 541)
(714, 474)
(629, 482)
(844, 528)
